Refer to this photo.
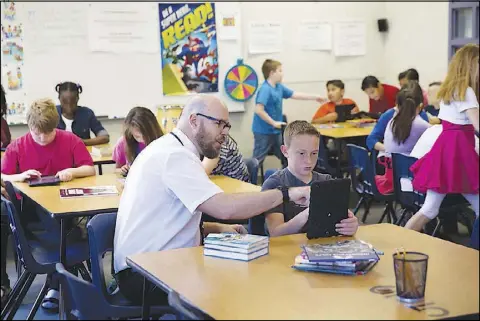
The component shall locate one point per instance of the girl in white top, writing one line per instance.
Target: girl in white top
(452, 165)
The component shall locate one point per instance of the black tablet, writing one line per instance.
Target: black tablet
(44, 181)
(344, 112)
(328, 206)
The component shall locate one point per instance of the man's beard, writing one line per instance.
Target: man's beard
(207, 146)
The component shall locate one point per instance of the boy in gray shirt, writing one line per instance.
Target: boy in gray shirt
(301, 149)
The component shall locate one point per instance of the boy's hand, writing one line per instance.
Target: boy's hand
(279, 124)
(31, 173)
(65, 175)
(348, 226)
(321, 100)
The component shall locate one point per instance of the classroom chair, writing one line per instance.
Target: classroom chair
(474, 241)
(362, 172)
(36, 260)
(252, 166)
(326, 162)
(256, 224)
(184, 310)
(411, 202)
(101, 230)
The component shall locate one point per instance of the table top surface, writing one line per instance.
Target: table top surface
(268, 288)
(49, 196)
(345, 130)
(102, 159)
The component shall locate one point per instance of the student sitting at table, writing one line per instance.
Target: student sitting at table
(229, 163)
(140, 129)
(382, 96)
(403, 131)
(433, 107)
(45, 151)
(376, 137)
(6, 136)
(412, 75)
(77, 119)
(326, 113)
(301, 150)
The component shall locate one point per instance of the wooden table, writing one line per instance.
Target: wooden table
(268, 288)
(101, 160)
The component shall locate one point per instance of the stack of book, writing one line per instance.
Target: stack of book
(353, 257)
(242, 247)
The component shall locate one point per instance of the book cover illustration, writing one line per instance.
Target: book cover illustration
(88, 191)
(350, 250)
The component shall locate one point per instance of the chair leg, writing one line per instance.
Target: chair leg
(13, 295)
(437, 227)
(402, 217)
(368, 204)
(384, 214)
(359, 204)
(83, 272)
(392, 213)
(21, 296)
(39, 299)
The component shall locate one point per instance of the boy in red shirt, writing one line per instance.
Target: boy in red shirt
(326, 113)
(45, 150)
(382, 96)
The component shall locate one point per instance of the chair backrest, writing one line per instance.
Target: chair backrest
(185, 310)
(252, 166)
(361, 171)
(22, 246)
(13, 197)
(101, 230)
(401, 169)
(85, 299)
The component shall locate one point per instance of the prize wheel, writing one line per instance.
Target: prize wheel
(241, 82)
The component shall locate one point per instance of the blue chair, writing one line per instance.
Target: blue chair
(410, 201)
(36, 260)
(101, 230)
(252, 166)
(326, 162)
(184, 310)
(85, 300)
(474, 241)
(362, 172)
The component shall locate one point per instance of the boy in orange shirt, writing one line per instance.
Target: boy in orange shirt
(326, 113)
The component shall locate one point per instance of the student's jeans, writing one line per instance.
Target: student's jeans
(264, 143)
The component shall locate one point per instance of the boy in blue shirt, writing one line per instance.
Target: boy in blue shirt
(268, 118)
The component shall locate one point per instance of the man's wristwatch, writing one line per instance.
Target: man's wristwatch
(284, 190)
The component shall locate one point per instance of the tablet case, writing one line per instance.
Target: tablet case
(343, 112)
(328, 206)
(44, 181)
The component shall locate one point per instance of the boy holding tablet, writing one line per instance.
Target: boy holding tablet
(301, 149)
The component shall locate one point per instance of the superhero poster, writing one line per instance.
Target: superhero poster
(188, 46)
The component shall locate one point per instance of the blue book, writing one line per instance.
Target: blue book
(350, 250)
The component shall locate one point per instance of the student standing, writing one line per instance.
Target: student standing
(452, 165)
(268, 118)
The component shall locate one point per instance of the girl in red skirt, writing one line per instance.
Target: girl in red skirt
(452, 164)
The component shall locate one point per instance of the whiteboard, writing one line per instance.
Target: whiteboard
(112, 83)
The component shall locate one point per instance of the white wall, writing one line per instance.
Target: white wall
(418, 37)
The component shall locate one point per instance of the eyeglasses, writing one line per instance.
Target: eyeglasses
(220, 122)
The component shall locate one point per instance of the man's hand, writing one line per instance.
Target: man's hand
(348, 226)
(65, 175)
(31, 173)
(300, 195)
(232, 228)
(279, 124)
(4, 191)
